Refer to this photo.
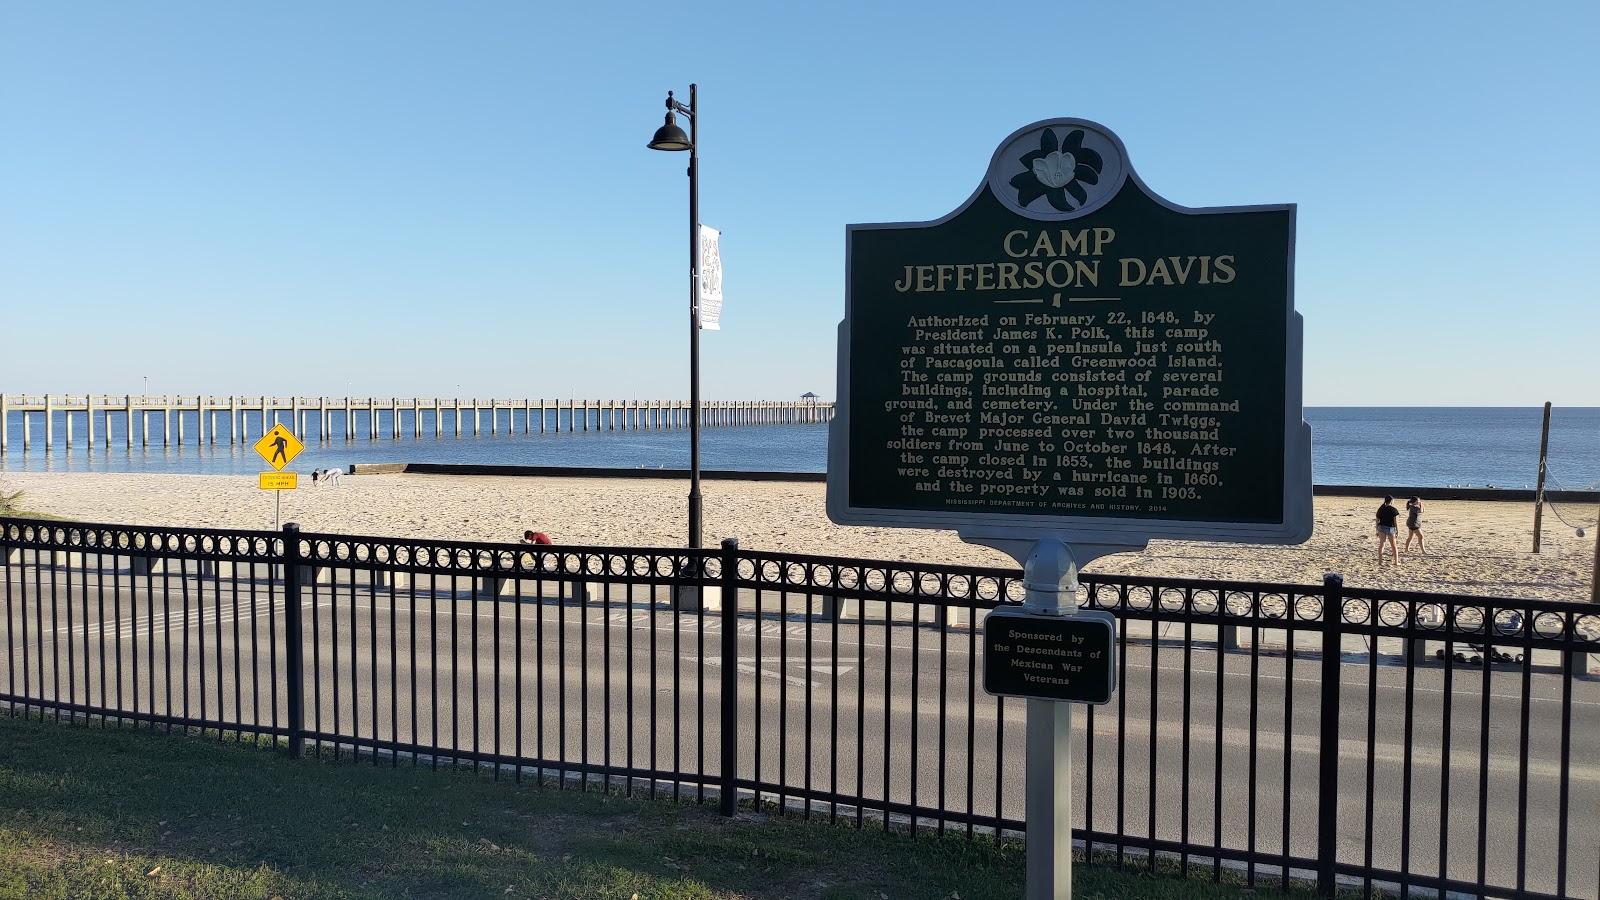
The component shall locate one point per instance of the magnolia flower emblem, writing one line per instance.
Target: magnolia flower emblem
(1057, 171)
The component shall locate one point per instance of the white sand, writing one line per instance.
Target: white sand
(1474, 547)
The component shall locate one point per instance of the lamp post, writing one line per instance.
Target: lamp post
(670, 137)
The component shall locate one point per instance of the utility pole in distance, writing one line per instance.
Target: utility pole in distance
(1594, 575)
(1538, 494)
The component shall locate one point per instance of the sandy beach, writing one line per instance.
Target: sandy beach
(1476, 547)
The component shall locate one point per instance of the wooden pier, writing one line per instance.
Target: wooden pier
(201, 420)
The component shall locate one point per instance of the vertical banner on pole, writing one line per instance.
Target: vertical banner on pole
(710, 298)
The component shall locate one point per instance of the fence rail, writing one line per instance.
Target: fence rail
(1348, 737)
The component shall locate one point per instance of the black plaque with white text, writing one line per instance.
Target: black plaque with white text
(1043, 657)
(1069, 347)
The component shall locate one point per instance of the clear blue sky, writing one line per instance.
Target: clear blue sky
(407, 197)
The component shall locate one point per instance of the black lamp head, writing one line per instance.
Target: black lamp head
(669, 136)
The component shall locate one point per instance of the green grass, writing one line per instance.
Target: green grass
(11, 506)
(86, 812)
(10, 502)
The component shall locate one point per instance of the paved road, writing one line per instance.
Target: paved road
(827, 692)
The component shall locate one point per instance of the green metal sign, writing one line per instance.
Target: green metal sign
(1069, 352)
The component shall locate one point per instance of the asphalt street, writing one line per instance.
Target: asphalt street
(849, 708)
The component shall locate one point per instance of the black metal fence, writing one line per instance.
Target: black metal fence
(1374, 740)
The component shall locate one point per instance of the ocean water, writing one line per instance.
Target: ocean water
(1423, 446)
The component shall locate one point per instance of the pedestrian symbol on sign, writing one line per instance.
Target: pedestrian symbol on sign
(279, 447)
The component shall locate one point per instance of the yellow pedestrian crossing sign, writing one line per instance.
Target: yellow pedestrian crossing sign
(279, 447)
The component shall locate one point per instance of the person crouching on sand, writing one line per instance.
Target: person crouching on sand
(1387, 518)
(1414, 525)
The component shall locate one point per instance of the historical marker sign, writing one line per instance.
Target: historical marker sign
(279, 447)
(1070, 353)
(1050, 657)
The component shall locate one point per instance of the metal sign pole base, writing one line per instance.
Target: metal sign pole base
(1050, 575)
(1049, 800)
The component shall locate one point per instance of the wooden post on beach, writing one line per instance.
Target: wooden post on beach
(1538, 494)
(1594, 574)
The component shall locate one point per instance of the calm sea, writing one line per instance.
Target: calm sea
(1353, 445)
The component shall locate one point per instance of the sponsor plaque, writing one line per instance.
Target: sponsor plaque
(1050, 657)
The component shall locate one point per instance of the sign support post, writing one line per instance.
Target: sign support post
(1050, 577)
(1048, 805)
(1049, 800)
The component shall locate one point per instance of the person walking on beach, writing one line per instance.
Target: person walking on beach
(1414, 525)
(1388, 517)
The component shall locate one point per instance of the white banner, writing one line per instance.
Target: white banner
(710, 299)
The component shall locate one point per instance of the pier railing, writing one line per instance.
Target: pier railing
(1351, 738)
(199, 419)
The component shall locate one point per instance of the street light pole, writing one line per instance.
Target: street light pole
(694, 322)
(670, 137)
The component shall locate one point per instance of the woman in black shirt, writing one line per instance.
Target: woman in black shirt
(1387, 518)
